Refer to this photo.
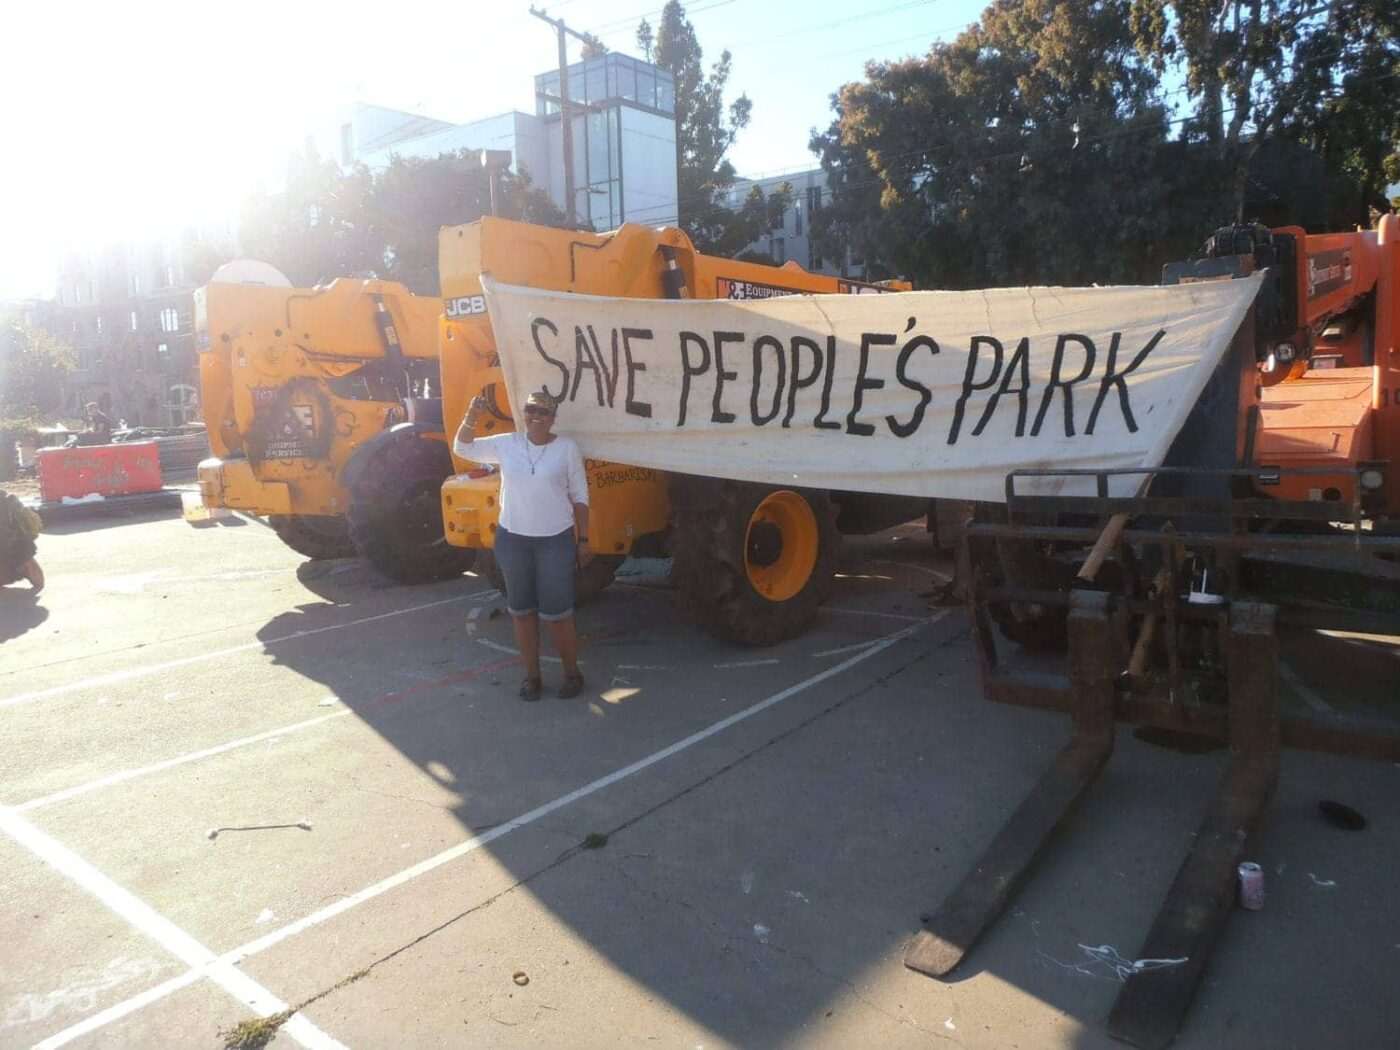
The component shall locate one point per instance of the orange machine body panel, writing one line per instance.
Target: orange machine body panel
(1323, 419)
(1341, 405)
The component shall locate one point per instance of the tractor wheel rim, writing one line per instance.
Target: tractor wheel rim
(781, 576)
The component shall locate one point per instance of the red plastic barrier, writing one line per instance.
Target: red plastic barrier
(111, 470)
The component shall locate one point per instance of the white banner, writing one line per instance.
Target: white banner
(912, 393)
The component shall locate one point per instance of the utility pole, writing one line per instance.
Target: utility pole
(495, 161)
(565, 109)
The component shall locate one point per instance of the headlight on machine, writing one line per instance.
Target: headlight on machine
(1371, 479)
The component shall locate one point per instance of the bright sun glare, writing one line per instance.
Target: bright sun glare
(139, 121)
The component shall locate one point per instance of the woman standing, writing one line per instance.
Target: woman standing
(542, 533)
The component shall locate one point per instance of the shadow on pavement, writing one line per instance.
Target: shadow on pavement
(20, 611)
(90, 517)
(342, 580)
(751, 896)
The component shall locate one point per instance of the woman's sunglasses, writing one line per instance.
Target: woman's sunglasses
(539, 413)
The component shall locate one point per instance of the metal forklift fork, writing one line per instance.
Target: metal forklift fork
(1150, 1008)
(998, 873)
(1153, 1002)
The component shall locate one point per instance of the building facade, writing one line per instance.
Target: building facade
(128, 313)
(623, 125)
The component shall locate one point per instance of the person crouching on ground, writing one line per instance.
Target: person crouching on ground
(18, 527)
(542, 533)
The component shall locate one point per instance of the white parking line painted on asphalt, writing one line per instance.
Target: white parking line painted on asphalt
(945, 577)
(159, 929)
(844, 649)
(170, 763)
(133, 673)
(316, 918)
(511, 651)
(747, 663)
(875, 612)
(114, 1013)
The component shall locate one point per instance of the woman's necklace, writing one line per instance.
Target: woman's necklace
(531, 459)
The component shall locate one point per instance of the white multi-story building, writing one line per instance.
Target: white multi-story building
(624, 140)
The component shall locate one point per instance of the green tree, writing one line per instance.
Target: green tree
(201, 256)
(646, 38)
(33, 364)
(330, 224)
(592, 47)
(413, 198)
(318, 227)
(1030, 149)
(755, 218)
(1254, 70)
(1347, 114)
(705, 128)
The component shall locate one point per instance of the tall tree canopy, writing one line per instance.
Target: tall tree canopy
(329, 223)
(760, 214)
(1346, 111)
(1256, 68)
(32, 366)
(1041, 144)
(1031, 148)
(705, 127)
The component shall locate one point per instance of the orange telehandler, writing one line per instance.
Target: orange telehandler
(320, 414)
(1331, 376)
(326, 411)
(750, 562)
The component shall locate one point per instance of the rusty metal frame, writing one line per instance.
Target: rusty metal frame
(1152, 1003)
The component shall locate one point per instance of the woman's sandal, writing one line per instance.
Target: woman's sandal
(530, 689)
(571, 686)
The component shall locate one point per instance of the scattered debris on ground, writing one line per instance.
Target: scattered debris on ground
(254, 1034)
(214, 833)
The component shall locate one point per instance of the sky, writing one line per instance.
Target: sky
(137, 120)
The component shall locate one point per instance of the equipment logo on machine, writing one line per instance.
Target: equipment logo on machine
(465, 306)
(731, 289)
(1328, 271)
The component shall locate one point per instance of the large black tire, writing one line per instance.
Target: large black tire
(396, 509)
(717, 556)
(316, 536)
(589, 582)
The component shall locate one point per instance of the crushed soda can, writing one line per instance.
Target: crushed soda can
(1251, 886)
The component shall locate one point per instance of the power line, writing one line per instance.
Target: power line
(932, 35)
(818, 27)
(622, 24)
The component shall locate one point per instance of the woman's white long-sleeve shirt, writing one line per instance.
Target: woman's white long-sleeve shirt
(539, 483)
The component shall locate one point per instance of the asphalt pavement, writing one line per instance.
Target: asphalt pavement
(236, 785)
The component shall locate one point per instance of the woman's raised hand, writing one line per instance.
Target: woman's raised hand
(474, 410)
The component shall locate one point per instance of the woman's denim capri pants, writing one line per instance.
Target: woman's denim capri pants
(539, 572)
